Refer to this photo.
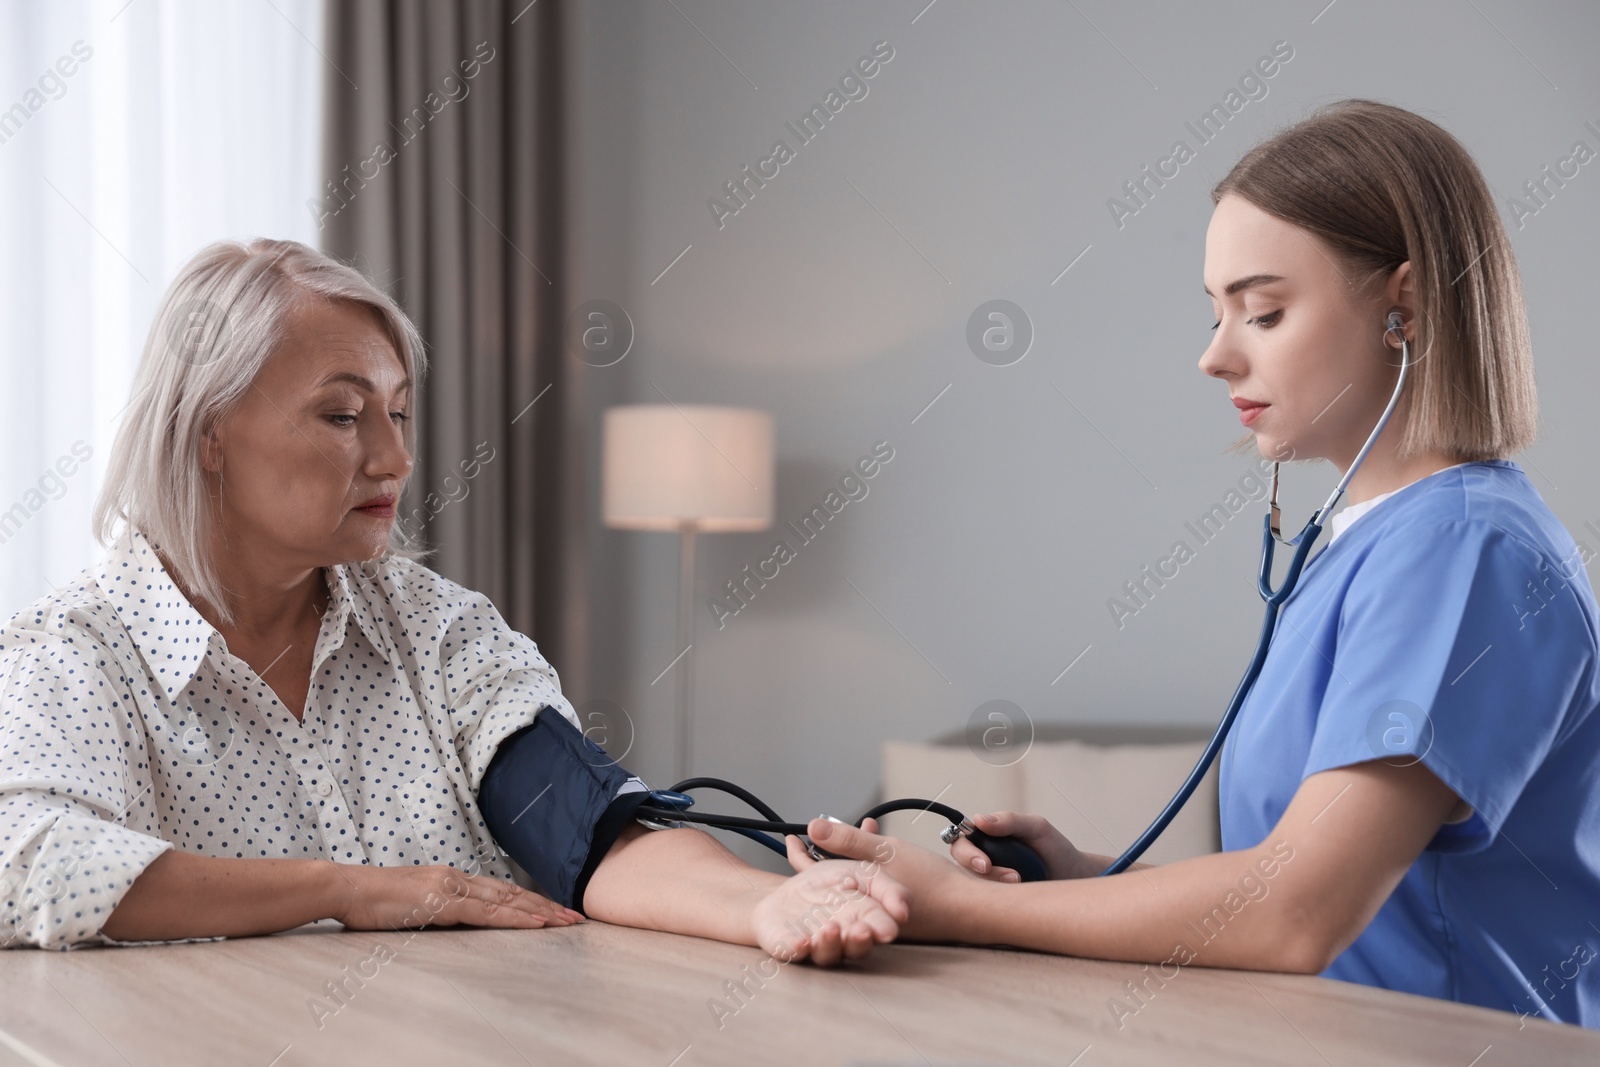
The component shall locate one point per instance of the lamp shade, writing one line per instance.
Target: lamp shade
(671, 466)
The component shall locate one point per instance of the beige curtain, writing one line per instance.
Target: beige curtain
(442, 155)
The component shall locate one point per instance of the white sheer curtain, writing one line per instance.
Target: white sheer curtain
(131, 135)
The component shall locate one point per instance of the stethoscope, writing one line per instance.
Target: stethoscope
(670, 807)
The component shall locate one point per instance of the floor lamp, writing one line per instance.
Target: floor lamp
(690, 469)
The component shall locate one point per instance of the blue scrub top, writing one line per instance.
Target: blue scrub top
(1453, 622)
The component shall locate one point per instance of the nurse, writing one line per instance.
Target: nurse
(1411, 795)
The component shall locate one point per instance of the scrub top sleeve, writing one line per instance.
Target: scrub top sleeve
(1444, 654)
(497, 682)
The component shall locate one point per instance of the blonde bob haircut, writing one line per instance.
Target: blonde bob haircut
(224, 314)
(1381, 186)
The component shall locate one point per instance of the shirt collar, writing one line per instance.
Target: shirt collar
(361, 599)
(173, 637)
(1351, 512)
(1347, 515)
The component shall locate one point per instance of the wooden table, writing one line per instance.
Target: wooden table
(601, 994)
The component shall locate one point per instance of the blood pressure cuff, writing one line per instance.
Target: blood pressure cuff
(550, 798)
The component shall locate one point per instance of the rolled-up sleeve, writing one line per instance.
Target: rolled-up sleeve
(66, 783)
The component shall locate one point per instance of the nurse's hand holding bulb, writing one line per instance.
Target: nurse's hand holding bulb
(1061, 857)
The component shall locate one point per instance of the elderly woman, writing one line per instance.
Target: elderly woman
(261, 711)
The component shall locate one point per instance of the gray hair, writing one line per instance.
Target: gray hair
(223, 316)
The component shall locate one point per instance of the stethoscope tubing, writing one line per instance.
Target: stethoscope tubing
(1274, 599)
(1269, 624)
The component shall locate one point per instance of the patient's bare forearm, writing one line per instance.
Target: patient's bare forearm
(183, 895)
(681, 881)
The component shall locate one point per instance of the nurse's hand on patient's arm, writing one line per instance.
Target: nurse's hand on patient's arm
(940, 893)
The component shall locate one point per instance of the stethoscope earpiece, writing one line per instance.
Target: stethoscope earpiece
(1395, 324)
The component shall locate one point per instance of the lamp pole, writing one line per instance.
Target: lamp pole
(686, 532)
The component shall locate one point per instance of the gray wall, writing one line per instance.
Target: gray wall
(985, 552)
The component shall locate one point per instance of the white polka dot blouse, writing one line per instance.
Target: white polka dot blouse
(127, 728)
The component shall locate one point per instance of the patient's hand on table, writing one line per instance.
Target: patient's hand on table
(829, 910)
(388, 898)
(1061, 858)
